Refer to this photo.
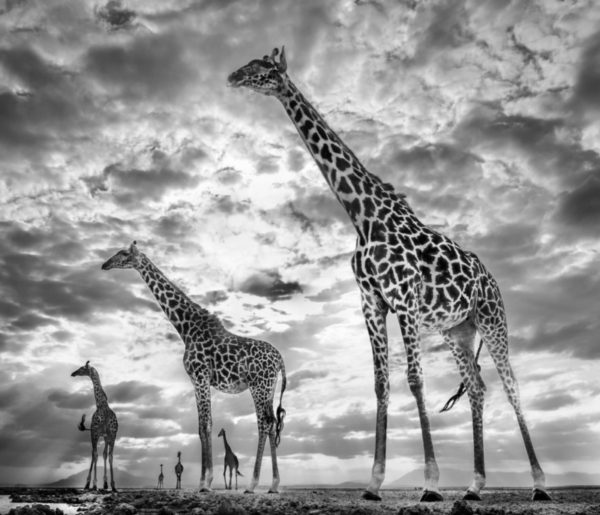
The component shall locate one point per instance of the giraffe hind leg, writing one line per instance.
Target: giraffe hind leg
(460, 339)
(498, 349)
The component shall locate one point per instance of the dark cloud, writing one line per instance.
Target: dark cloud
(553, 401)
(296, 379)
(586, 93)
(579, 209)
(129, 186)
(151, 66)
(268, 283)
(48, 102)
(115, 15)
(133, 391)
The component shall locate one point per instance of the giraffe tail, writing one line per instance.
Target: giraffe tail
(462, 388)
(280, 410)
(81, 425)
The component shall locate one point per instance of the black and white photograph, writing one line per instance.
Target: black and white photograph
(300, 256)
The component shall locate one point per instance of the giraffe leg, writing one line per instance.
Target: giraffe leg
(499, 353)
(202, 391)
(224, 474)
(375, 312)
(94, 462)
(110, 461)
(275, 485)
(265, 420)
(460, 339)
(230, 474)
(105, 455)
(408, 326)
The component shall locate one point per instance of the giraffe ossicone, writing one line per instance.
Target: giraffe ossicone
(403, 266)
(215, 357)
(104, 425)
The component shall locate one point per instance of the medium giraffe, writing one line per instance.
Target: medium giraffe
(404, 267)
(231, 461)
(161, 478)
(178, 471)
(104, 425)
(215, 357)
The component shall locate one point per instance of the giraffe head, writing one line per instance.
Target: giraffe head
(126, 258)
(221, 433)
(85, 370)
(266, 75)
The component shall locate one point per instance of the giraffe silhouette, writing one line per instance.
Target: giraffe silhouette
(104, 425)
(178, 471)
(404, 267)
(215, 357)
(231, 461)
(161, 478)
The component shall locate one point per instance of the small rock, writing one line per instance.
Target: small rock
(461, 508)
(125, 509)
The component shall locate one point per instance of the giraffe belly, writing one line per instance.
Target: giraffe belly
(231, 385)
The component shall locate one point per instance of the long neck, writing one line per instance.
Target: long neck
(100, 396)
(171, 299)
(227, 448)
(353, 185)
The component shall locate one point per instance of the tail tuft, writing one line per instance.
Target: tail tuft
(81, 425)
(279, 426)
(239, 473)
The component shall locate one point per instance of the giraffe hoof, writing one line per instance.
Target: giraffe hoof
(471, 496)
(540, 495)
(431, 496)
(248, 492)
(370, 496)
(205, 490)
(272, 491)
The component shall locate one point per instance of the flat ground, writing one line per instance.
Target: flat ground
(572, 501)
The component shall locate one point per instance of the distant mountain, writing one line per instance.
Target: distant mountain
(122, 479)
(463, 478)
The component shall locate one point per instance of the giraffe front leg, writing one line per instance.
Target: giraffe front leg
(375, 312)
(202, 391)
(94, 462)
(265, 419)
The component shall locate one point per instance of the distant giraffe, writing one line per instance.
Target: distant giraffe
(215, 357)
(104, 425)
(178, 471)
(161, 478)
(231, 461)
(405, 267)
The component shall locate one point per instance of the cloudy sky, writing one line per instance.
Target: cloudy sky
(116, 124)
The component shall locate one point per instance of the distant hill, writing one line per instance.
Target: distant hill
(122, 479)
(463, 478)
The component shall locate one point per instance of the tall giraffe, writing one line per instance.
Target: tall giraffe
(178, 471)
(161, 478)
(404, 267)
(215, 357)
(231, 461)
(104, 425)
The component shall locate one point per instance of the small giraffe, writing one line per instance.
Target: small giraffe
(404, 267)
(161, 478)
(231, 461)
(104, 425)
(178, 471)
(215, 357)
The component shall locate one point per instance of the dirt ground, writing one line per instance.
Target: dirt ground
(572, 501)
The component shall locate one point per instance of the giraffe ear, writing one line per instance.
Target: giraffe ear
(133, 248)
(282, 61)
